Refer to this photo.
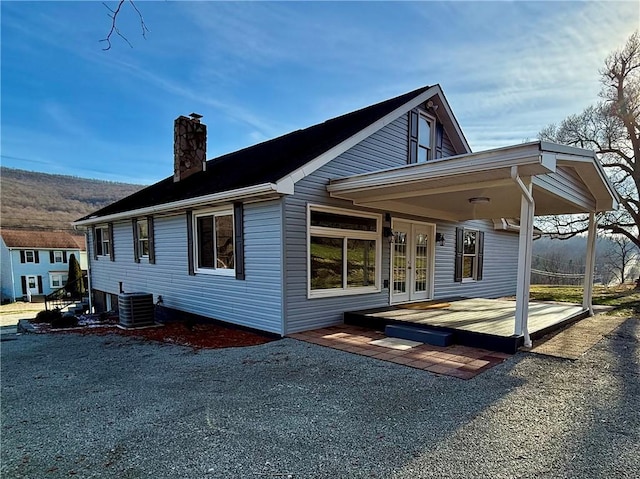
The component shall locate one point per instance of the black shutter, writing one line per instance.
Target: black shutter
(152, 243)
(37, 255)
(412, 156)
(480, 251)
(112, 253)
(439, 140)
(39, 284)
(136, 253)
(22, 258)
(95, 243)
(51, 257)
(190, 242)
(24, 284)
(458, 260)
(64, 256)
(238, 231)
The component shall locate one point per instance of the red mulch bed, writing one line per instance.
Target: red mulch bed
(197, 336)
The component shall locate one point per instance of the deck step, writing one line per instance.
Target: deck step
(422, 335)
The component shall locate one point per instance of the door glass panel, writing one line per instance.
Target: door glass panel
(399, 262)
(32, 282)
(420, 262)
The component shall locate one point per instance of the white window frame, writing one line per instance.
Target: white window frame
(58, 275)
(344, 234)
(104, 240)
(432, 136)
(474, 273)
(141, 240)
(58, 257)
(33, 256)
(226, 211)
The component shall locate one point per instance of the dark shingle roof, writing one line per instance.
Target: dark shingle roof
(265, 162)
(41, 239)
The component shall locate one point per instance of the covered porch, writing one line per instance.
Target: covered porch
(475, 322)
(520, 181)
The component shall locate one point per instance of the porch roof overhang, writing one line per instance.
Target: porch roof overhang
(565, 180)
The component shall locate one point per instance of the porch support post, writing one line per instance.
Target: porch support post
(587, 296)
(527, 208)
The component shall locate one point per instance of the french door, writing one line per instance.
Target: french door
(412, 252)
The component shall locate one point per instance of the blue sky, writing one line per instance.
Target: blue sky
(259, 70)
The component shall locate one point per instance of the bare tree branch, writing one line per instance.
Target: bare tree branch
(114, 23)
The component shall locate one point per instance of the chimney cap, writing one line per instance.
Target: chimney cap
(195, 116)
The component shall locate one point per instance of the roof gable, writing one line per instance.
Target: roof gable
(284, 160)
(26, 239)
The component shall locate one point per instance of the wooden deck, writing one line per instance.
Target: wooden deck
(475, 322)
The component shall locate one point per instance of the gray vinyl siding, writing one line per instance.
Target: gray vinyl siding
(447, 146)
(499, 265)
(255, 302)
(386, 148)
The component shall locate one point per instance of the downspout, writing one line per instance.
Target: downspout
(528, 197)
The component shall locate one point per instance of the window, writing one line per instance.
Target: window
(425, 138)
(142, 228)
(29, 256)
(344, 252)
(469, 254)
(102, 241)
(57, 280)
(58, 257)
(214, 242)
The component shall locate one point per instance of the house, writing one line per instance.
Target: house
(36, 263)
(382, 206)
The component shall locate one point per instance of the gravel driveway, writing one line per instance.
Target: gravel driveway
(115, 407)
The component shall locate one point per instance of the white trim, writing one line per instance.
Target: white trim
(431, 227)
(344, 234)
(214, 212)
(431, 120)
(265, 190)
(474, 273)
(33, 256)
(337, 150)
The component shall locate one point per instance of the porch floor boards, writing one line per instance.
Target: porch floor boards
(476, 322)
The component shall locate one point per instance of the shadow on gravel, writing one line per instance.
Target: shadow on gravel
(114, 407)
(608, 439)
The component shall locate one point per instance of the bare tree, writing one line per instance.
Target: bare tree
(621, 257)
(113, 15)
(611, 128)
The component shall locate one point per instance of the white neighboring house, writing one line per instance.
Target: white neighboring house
(35, 263)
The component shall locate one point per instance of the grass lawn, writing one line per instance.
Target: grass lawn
(624, 299)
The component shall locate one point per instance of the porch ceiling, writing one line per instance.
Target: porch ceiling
(565, 181)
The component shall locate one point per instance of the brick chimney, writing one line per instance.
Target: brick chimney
(189, 146)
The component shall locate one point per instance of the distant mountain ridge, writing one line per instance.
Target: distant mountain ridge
(33, 200)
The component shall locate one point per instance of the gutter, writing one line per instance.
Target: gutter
(264, 189)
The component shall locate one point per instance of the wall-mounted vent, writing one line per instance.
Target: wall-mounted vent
(135, 309)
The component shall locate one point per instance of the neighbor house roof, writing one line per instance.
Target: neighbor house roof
(41, 239)
(271, 161)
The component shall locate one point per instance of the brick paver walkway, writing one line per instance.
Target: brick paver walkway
(458, 361)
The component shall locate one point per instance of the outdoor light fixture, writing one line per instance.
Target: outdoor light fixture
(387, 232)
(440, 239)
(479, 200)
